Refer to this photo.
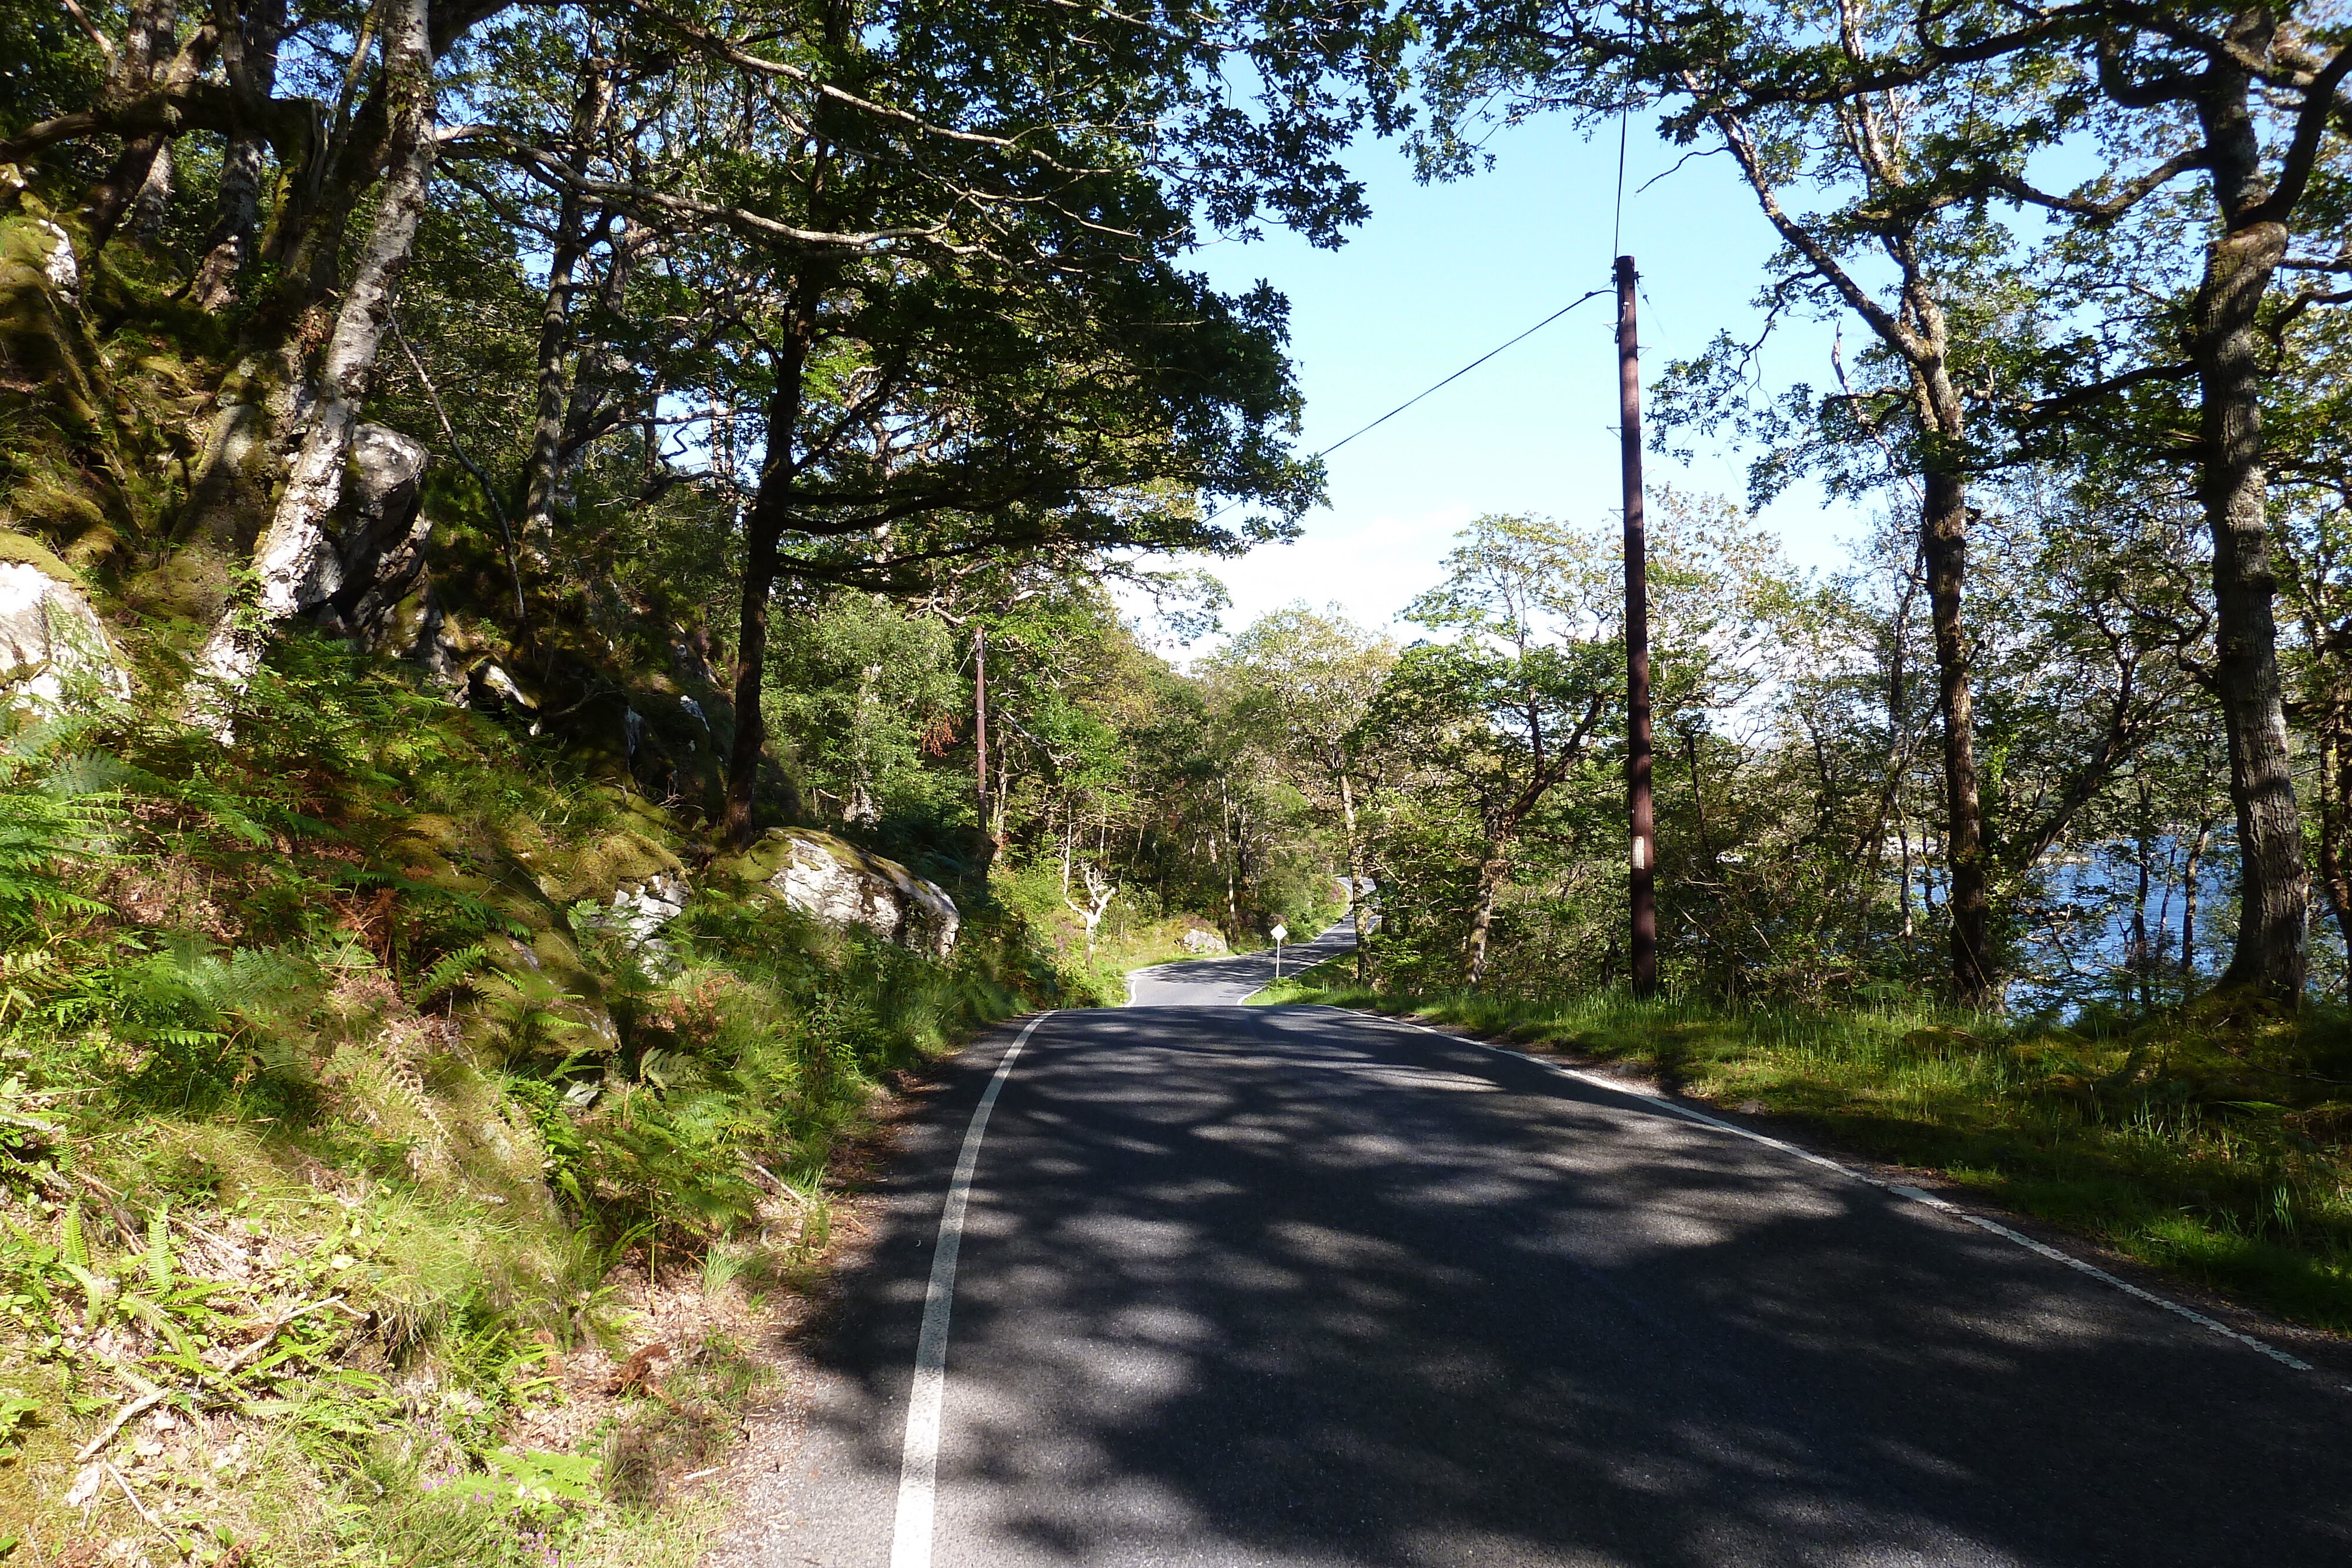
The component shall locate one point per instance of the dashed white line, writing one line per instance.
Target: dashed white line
(1914, 1194)
(919, 1462)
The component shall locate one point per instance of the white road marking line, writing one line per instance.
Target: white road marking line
(1915, 1194)
(918, 1462)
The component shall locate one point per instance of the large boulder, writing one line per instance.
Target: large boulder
(53, 651)
(372, 588)
(842, 884)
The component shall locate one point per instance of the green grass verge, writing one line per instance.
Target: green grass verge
(349, 1148)
(2211, 1142)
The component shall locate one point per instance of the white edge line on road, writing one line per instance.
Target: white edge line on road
(1915, 1194)
(919, 1462)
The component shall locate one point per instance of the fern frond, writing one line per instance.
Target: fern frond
(454, 971)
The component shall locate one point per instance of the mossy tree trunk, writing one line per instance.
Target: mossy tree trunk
(289, 561)
(249, 57)
(574, 237)
(2225, 344)
(763, 533)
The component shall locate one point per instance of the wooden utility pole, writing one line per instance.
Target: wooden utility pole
(980, 723)
(1642, 816)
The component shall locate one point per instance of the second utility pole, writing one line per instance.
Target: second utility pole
(1642, 817)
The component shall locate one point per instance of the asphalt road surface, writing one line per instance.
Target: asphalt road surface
(1207, 982)
(1289, 1286)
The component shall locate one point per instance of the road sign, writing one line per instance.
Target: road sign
(1280, 933)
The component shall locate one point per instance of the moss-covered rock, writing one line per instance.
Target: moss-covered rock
(55, 654)
(842, 884)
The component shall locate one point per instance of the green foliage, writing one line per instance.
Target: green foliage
(56, 807)
(322, 1061)
(866, 693)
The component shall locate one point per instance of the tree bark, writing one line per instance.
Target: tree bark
(2143, 980)
(292, 562)
(1493, 872)
(990, 848)
(239, 216)
(2189, 904)
(2273, 884)
(252, 61)
(1355, 852)
(763, 532)
(149, 35)
(541, 471)
(1944, 522)
(2335, 818)
(153, 203)
(1233, 855)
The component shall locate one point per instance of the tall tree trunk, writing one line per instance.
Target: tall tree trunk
(2141, 975)
(153, 203)
(150, 39)
(1910, 933)
(2335, 823)
(2273, 884)
(1233, 908)
(292, 562)
(572, 241)
(1944, 523)
(1493, 872)
(111, 198)
(2273, 881)
(763, 532)
(598, 372)
(1917, 333)
(981, 805)
(230, 244)
(2189, 904)
(251, 57)
(1355, 850)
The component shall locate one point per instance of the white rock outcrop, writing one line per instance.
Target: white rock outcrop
(840, 883)
(54, 652)
(62, 271)
(639, 911)
(1199, 941)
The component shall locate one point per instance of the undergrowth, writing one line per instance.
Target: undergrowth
(339, 1116)
(2214, 1140)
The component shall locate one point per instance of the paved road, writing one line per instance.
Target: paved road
(1284, 1286)
(1207, 982)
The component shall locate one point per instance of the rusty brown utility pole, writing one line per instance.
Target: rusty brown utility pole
(1640, 811)
(980, 721)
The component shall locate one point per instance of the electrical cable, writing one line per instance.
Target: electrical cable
(1462, 372)
(1439, 386)
(1617, 223)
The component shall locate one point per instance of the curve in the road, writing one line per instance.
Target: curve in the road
(1213, 982)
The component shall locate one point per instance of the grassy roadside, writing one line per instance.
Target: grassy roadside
(2212, 1143)
(371, 1195)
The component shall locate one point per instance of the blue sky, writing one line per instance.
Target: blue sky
(1440, 275)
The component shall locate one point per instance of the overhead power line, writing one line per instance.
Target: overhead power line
(1460, 373)
(1437, 387)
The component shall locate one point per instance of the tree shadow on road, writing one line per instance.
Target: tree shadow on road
(1272, 1287)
